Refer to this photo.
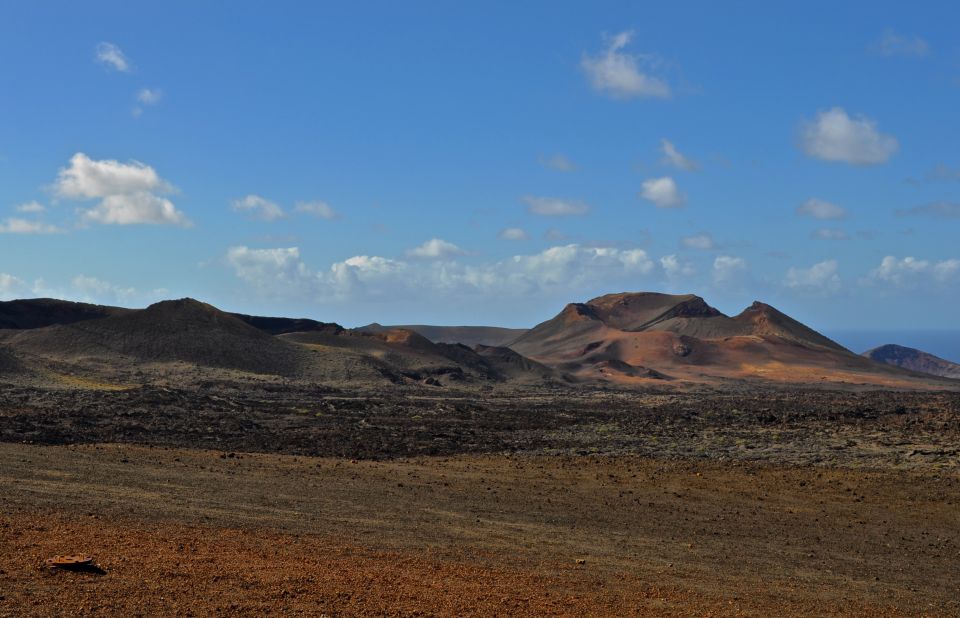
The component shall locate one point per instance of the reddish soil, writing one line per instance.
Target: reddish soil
(183, 532)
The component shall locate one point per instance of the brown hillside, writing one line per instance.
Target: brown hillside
(41, 312)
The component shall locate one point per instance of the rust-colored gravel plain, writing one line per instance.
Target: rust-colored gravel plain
(186, 532)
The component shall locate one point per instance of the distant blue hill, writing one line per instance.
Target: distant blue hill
(942, 343)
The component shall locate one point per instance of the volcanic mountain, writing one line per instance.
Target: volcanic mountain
(637, 337)
(914, 360)
(183, 330)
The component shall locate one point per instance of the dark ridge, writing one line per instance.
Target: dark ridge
(41, 312)
(282, 326)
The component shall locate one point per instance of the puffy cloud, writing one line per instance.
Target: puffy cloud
(113, 57)
(31, 207)
(559, 163)
(663, 192)
(258, 207)
(94, 289)
(830, 233)
(912, 272)
(317, 208)
(435, 249)
(363, 277)
(673, 157)
(676, 268)
(939, 210)
(513, 233)
(835, 136)
(821, 276)
(704, 242)
(554, 206)
(129, 193)
(893, 44)
(820, 209)
(619, 74)
(11, 287)
(727, 268)
(14, 225)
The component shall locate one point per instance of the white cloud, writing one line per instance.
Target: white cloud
(317, 208)
(619, 74)
(893, 44)
(663, 192)
(673, 157)
(559, 163)
(563, 268)
(835, 136)
(821, 209)
(149, 96)
(435, 249)
(554, 206)
(112, 56)
(727, 268)
(704, 242)
(822, 276)
(15, 225)
(129, 193)
(258, 207)
(830, 233)
(912, 272)
(11, 287)
(31, 207)
(513, 233)
(676, 268)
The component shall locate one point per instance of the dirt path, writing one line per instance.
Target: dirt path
(482, 535)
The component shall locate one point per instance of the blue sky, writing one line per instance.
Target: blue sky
(485, 163)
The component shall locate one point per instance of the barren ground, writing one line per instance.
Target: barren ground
(195, 532)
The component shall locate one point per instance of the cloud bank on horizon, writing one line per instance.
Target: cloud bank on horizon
(494, 182)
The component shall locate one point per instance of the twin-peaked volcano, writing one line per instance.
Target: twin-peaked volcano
(634, 337)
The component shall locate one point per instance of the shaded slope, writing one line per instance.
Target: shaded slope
(170, 331)
(914, 360)
(281, 326)
(41, 312)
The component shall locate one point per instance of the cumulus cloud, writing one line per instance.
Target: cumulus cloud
(258, 207)
(435, 249)
(621, 75)
(317, 208)
(562, 268)
(674, 158)
(830, 233)
(663, 192)
(835, 136)
(675, 268)
(704, 242)
(15, 225)
(559, 163)
(513, 233)
(911, 271)
(11, 287)
(112, 56)
(726, 268)
(820, 209)
(554, 206)
(938, 210)
(31, 207)
(894, 44)
(820, 276)
(129, 193)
